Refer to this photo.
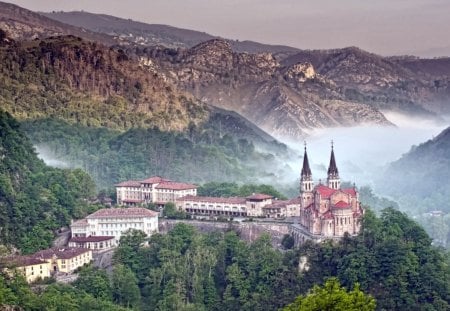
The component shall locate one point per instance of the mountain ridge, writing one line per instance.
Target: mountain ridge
(142, 33)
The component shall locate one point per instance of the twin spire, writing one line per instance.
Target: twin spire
(333, 180)
(332, 168)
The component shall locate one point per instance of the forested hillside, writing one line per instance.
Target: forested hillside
(422, 172)
(90, 84)
(35, 200)
(420, 182)
(392, 259)
(203, 153)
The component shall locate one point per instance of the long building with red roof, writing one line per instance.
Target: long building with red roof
(326, 210)
(154, 189)
(250, 206)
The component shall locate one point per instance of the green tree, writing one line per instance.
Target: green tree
(333, 297)
(94, 282)
(170, 211)
(125, 290)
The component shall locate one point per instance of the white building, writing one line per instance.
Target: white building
(152, 190)
(113, 222)
(214, 206)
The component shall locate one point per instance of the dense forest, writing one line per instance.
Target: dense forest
(421, 177)
(35, 199)
(420, 182)
(392, 259)
(390, 264)
(88, 83)
(199, 155)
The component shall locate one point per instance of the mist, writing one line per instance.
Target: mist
(50, 159)
(362, 153)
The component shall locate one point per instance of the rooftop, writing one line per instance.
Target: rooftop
(341, 204)
(79, 223)
(327, 192)
(129, 183)
(217, 200)
(123, 213)
(154, 180)
(172, 185)
(22, 261)
(61, 253)
(259, 196)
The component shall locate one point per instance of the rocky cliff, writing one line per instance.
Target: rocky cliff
(285, 100)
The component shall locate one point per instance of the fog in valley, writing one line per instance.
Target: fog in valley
(362, 153)
(45, 154)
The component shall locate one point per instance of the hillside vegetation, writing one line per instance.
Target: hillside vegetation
(35, 200)
(90, 84)
(392, 260)
(199, 155)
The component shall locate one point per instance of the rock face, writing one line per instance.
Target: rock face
(404, 84)
(248, 231)
(284, 100)
(23, 24)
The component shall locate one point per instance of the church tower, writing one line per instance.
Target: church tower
(306, 181)
(333, 180)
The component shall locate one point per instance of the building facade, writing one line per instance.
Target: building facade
(250, 206)
(64, 260)
(48, 262)
(113, 222)
(327, 211)
(95, 243)
(32, 269)
(155, 189)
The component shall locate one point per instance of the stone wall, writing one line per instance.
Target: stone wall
(248, 231)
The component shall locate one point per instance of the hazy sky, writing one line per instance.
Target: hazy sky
(380, 26)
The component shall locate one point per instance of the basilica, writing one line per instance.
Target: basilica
(327, 211)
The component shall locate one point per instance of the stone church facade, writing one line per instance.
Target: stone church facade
(327, 211)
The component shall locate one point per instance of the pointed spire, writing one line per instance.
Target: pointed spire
(332, 169)
(306, 171)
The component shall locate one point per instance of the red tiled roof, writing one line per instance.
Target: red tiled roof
(123, 212)
(351, 191)
(259, 196)
(277, 204)
(91, 239)
(172, 185)
(216, 200)
(297, 200)
(23, 261)
(154, 180)
(325, 192)
(341, 204)
(80, 223)
(129, 183)
(62, 253)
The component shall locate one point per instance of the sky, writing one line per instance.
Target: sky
(386, 27)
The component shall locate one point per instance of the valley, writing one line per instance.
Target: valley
(274, 172)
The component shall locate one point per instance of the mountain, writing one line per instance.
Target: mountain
(285, 101)
(405, 84)
(154, 34)
(23, 24)
(421, 177)
(95, 108)
(87, 82)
